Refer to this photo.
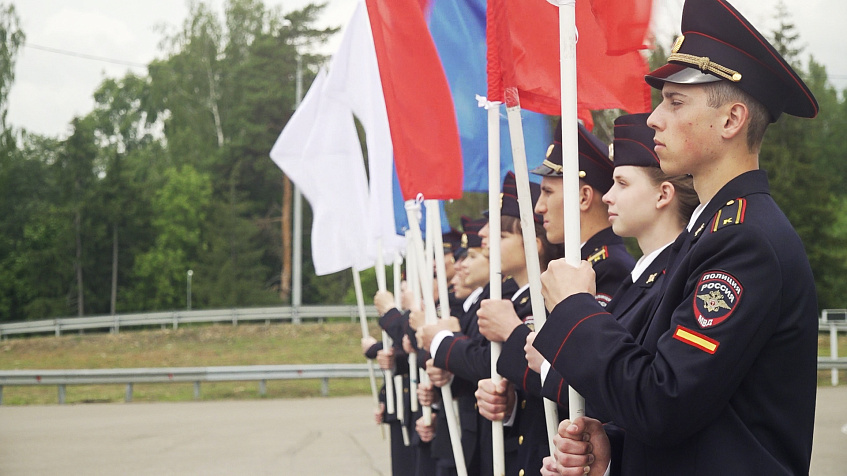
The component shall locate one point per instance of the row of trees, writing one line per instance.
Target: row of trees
(170, 173)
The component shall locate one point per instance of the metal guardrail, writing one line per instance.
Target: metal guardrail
(827, 363)
(261, 373)
(176, 318)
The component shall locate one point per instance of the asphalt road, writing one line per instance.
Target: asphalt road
(317, 436)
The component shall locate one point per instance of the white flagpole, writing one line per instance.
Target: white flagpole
(413, 282)
(434, 221)
(357, 283)
(570, 151)
(388, 374)
(533, 267)
(495, 272)
(425, 276)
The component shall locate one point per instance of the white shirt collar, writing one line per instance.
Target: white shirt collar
(472, 299)
(644, 262)
(520, 291)
(696, 215)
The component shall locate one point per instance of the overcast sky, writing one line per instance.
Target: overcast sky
(52, 87)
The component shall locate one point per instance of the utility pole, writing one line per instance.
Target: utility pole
(297, 257)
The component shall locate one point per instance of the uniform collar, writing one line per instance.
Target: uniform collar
(748, 183)
(604, 237)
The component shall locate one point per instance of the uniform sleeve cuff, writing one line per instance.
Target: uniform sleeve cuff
(436, 341)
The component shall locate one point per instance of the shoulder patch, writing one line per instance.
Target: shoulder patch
(730, 214)
(603, 299)
(529, 322)
(599, 255)
(716, 297)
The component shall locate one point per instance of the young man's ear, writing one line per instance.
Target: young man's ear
(736, 120)
(586, 196)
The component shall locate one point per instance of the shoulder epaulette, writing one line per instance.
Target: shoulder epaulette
(599, 255)
(730, 214)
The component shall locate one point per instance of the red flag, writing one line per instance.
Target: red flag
(427, 153)
(526, 55)
(624, 24)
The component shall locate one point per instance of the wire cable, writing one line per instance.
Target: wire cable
(84, 56)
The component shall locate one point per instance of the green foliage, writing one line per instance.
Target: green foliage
(805, 163)
(179, 208)
(11, 40)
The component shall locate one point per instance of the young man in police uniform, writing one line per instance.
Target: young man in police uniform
(723, 379)
(600, 245)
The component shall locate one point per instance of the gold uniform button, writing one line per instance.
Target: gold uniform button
(523, 404)
(730, 202)
(476, 406)
(520, 440)
(521, 473)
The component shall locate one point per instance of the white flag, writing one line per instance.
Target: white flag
(319, 150)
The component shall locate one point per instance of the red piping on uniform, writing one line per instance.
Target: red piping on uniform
(571, 332)
(450, 349)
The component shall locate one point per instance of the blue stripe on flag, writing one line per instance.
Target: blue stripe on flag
(458, 30)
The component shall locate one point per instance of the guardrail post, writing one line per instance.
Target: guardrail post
(176, 320)
(58, 328)
(1, 394)
(325, 387)
(128, 397)
(295, 315)
(61, 394)
(263, 389)
(833, 351)
(197, 390)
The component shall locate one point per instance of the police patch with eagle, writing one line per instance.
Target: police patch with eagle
(716, 297)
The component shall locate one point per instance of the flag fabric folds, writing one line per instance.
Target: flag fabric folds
(523, 41)
(331, 175)
(458, 29)
(427, 154)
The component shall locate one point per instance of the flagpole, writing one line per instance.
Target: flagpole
(413, 281)
(388, 374)
(425, 276)
(495, 271)
(533, 267)
(357, 284)
(570, 151)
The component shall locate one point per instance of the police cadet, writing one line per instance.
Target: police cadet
(645, 204)
(443, 344)
(600, 246)
(522, 412)
(723, 379)
(393, 321)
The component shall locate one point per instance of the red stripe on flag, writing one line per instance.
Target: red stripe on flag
(527, 55)
(427, 154)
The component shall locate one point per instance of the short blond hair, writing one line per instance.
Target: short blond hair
(722, 92)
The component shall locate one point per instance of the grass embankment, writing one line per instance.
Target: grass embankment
(193, 346)
(208, 345)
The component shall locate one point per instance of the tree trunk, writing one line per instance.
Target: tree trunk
(285, 274)
(80, 305)
(114, 299)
